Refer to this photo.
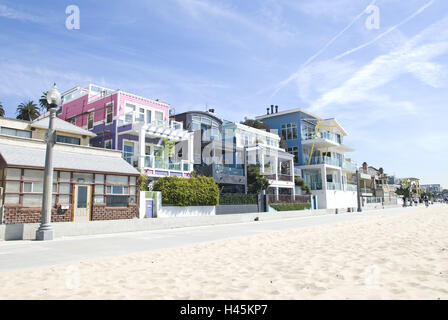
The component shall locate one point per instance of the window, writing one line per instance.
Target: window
(117, 191)
(128, 151)
(90, 120)
(129, 113)
(289, 131)
(108, 144)
(295, 152)
(109, 114)
(141, 115)
(15, 132)
(69, 140)
(158, 116)
(148, 116)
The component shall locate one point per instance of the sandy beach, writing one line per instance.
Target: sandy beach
(404, 256)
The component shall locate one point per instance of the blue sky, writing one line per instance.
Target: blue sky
(386, 86)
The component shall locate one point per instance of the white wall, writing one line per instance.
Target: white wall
(171, 211)
(335, 199)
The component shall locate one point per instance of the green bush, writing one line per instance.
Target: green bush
(290, 206)
(238, 198)
(195, 191)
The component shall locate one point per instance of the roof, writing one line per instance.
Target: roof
(35, 157)
(62, 126)
(296, 110)
(333, 122)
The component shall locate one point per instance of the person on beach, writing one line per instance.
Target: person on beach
(426, 200)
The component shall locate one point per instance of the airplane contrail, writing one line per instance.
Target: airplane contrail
(386, 32)
(320, 51)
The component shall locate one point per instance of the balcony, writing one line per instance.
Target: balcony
(334, 186)
(350, 187)
(230, 171)
(157, 163)
(325, 160)
(322, 135)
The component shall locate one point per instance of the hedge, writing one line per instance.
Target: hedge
(290, 206)
(237, 198)
(195, 191)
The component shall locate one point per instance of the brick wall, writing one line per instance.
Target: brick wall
(18, 215)
(101, 212)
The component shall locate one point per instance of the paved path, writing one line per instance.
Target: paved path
(19, 255)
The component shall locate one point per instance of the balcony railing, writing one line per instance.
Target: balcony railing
(334, 186)
(137, 117)
(350, 187)
(322, 135)
(151, 162)
(284, 177)
(325, 160)
(221, 169)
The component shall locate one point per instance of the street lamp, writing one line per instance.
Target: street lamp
(45, 231)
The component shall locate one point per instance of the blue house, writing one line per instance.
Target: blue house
(319, 154)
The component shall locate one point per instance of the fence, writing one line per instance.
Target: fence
(287, 198)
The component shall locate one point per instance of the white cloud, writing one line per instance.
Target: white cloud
(10, 13)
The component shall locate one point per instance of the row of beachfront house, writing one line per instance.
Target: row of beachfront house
(106, 138)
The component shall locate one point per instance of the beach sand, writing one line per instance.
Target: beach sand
(402, 256)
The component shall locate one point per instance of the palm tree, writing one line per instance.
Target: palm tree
(2, 111)
(43, 102)
(27, 111)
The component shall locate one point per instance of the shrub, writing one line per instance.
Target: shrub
(290, 206)
(143, 182)
(237, 198)
(195, 191)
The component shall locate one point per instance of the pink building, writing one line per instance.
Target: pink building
(137, 126)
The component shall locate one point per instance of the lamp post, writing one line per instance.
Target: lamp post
(358, 191)
(45, 231)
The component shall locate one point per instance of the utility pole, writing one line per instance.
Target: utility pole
(358, 190)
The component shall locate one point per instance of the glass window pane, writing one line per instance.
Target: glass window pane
(55, 187)
(117, 201)
(132, 199)
(158, 115)
(99, 199)
(132, 190)
(99, 178)
(32, 200)
(13, 173)
(117, 189)
(53, 200)
(64, 199)
(99, 189)
(64, 188)
(12, 186)
(82, 197)
(37, 175)
(12, 199)
(83, 177)
(110, 179)
(133, 181)
(38, 187)
(64, 176)
(27, 186)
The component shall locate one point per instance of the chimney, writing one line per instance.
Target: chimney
(267, 110)
(272, 108)
(276, 109)
(364, 166)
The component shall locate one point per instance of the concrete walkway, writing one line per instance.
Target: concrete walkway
(19, 255)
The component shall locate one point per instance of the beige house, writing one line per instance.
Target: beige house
(65, 131)
(88, 183)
